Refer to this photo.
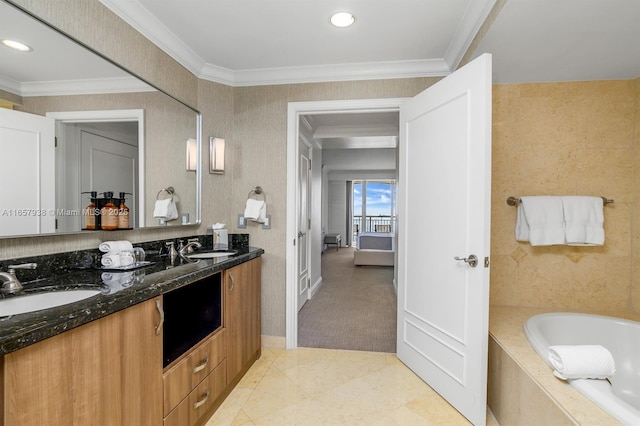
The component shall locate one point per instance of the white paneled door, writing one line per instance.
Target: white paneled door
(304, 215)
(27, 173)
(444, 195)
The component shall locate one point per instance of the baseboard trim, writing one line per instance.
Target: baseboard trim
(315, 287)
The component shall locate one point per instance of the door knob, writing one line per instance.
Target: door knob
(471, 260)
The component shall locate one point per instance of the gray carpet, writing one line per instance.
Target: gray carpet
(354, 309)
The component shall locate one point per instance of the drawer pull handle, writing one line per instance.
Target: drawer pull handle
(232, 282)
(200, 403)
(202, 365)
(161, 312)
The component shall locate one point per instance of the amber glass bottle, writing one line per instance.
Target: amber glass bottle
(109, 213)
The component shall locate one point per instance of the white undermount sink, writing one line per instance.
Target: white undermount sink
(36, 302)
(211, 255)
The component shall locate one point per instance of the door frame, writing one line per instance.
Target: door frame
(294, 111)
(107, 116)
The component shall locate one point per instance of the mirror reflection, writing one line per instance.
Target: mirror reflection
(75, 137)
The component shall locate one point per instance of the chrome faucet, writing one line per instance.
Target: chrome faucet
(188, 248)
(10, 283)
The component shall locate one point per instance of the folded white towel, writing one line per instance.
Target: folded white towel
(584, 219)
(581, 362)
(545, 218)
(110, 260)
(165, 209)
(115, 246)
(255, 210)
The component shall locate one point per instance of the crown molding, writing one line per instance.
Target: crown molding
(474, 17)
(149, 26)
(84, 87)
(132, 12)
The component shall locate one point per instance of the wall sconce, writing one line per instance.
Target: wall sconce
(192, 155)
(216, 155)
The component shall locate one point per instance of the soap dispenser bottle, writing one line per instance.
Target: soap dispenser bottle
(124, 219)
(109, 213)
(90, 212)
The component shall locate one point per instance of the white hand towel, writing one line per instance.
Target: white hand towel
(165, 209)
(545, 218)
(581, 362)
(115, 246)
(522, 227)
(254, 209)
(584, 219)
(110, 260)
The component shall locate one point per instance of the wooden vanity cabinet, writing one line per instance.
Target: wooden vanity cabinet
(242, 317)
(106, 372)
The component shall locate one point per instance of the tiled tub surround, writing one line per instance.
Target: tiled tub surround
(62, 272)
(522, 388)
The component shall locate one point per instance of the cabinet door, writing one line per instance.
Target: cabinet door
(107, 372)
(242, 316)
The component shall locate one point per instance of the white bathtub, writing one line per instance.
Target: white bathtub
(621, 397)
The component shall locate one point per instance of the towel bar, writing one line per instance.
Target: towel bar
(513, 201)
(258, 191)
(168, 190)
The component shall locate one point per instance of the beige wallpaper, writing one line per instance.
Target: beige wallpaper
(564, 139)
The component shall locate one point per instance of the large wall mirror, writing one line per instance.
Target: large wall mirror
(73, 122)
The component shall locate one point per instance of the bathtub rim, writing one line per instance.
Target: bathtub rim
(599, 393)
(506, 329)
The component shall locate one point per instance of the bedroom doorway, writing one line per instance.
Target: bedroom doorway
(374, 167)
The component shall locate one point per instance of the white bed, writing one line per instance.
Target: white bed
(375, 248)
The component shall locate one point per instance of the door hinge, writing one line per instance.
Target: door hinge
(56, 223)
(309, 164)
(486, 261)
(294, 241)
(309, 224)
(55, 142)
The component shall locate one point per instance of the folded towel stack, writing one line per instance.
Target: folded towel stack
(165, 209)
(581, 362)
(112, 249)
(256, 210)
(572, 220)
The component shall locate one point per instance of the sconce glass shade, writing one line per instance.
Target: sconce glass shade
(192, 155)
(216, 155)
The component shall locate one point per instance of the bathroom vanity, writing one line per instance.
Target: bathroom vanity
(166, 350)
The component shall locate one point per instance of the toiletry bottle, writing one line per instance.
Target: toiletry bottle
(124, 221)
(109, 213)
(90, 212)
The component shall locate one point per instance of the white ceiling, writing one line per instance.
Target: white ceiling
(250, 42)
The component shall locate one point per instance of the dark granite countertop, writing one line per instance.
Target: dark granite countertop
(162, 276)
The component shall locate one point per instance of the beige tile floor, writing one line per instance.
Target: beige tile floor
(309, 386)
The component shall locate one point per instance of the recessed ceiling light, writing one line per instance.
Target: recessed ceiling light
(16, 45)
(342, 19)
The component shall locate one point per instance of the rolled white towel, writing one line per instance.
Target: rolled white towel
(115, 246)
(110, 260)
(581, 362)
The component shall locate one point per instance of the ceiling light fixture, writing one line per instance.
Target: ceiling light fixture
(16, 45)
(342, 19)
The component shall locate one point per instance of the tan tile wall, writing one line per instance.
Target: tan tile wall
(573, 138)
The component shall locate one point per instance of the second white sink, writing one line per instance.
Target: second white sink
(36, 302)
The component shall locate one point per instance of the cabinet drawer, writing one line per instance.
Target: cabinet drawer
(183, 377)
(189, 411)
